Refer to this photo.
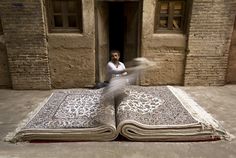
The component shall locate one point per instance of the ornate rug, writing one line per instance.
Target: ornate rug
(139, 113)
(164, 114)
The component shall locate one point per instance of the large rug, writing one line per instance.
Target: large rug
(162, 113)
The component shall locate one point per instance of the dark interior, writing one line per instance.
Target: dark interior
(116, 27)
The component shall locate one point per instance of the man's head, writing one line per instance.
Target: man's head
(115, 55)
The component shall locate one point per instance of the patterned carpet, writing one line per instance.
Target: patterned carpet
(160, 113)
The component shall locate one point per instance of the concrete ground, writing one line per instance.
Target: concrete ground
(218, 101)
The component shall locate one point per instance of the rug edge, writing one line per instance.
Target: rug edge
(203, 116)
(12, 136)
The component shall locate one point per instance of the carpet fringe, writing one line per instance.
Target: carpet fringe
(12, 136)
(198, 113)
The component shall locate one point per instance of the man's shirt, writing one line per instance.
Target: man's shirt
(112, 69)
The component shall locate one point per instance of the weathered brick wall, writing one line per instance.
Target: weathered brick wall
(5, 81)
(24, 32)
(210, 33)
(231, 72)
(72, 55)
(167, 50)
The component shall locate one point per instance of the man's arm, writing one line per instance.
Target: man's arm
(112, 70)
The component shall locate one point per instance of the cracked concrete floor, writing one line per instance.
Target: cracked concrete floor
(220, 102)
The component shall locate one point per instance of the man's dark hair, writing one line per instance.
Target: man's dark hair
(115, 51)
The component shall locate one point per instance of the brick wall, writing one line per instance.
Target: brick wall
(24, 32)
(5, 81)
(167, 50)
(210, 33)
(72, 55)
(231, 71)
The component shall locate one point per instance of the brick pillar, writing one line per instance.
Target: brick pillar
(25, 35)
(210, 33)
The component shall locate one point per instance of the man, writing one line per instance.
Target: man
(115, 68)
(117, 73)
(118, 77)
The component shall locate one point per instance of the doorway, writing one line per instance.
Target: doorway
(118, 27)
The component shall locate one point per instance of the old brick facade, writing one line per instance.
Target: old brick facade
(209, 40)
(25, 37)
(31, 57)
(5, 81)
(231, 77)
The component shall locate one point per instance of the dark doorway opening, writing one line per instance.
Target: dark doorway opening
(116, 28)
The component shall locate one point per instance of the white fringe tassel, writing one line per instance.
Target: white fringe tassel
(198, 113)
(12, 136)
